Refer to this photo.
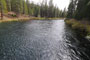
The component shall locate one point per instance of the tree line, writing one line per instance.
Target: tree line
(45, 9)
(79, 9)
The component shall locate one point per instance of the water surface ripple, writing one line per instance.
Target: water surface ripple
(40, 40)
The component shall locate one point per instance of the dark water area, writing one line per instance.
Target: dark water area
(41, 40)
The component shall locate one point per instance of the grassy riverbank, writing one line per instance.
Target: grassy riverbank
(27, 18)
(82, 28)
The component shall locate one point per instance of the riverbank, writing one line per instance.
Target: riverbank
(82, 28)
(27, 18)
(11, 16)
(21, 19)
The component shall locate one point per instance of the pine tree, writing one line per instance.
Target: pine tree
(50, 8)
(46, 9)
(36, 11)
(17, 6)
(3, 8)
(25, 9)
(3, 5)
(70, 10)
(8, 3)
(83, 9)
(21, 6)
(28, 5)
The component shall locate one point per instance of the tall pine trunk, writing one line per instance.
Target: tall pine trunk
(1, 14)
(1, 11)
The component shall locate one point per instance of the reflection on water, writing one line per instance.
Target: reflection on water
(40, 40)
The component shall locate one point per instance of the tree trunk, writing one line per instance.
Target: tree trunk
(1, 13)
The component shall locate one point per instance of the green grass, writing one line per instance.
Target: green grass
(29, 18)
(43, 18)
(88, 30)
(81, 29)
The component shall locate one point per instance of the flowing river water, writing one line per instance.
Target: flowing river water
(41, 40)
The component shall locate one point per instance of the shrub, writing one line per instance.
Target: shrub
(88, 29)
(79, 28)
(69, 22)
(13, 15)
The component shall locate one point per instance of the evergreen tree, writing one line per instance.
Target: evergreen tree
(25, 9)
(20, 6)
(50, 8)
(79, 9)
(28, 5)
(83, 9)
(3, 8)
(71, 9)
(36, 11)
(8, 3)
(15, 6)
(45, 9)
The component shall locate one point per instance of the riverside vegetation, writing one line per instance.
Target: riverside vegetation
(81, 29)
(12, 10)
(78, 17)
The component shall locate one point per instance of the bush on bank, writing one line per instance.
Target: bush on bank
(82, 30)
(88, 29)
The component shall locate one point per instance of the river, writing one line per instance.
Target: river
(41, 40)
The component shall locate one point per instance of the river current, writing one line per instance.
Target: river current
(41, 40)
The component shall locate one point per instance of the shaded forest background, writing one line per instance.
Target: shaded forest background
(79, 9)
(19, 7)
